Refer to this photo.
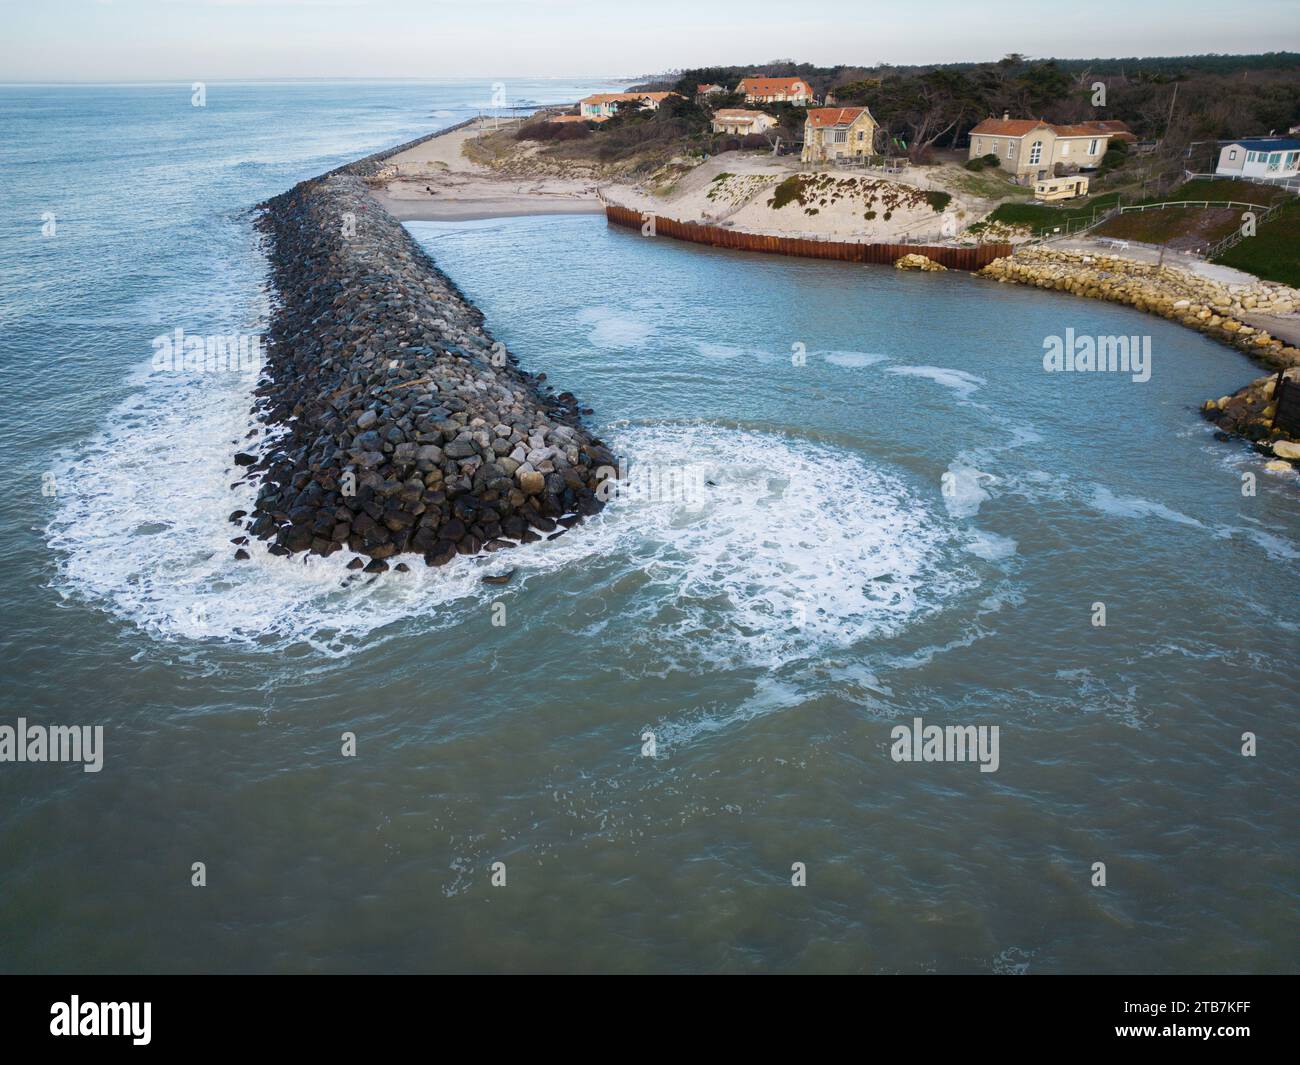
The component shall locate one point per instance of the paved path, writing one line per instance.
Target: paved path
(1147, 253)
(1285, 327)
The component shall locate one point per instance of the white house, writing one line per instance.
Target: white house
(1263, 157)
(737, 120)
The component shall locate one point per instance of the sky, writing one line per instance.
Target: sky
(195, 40)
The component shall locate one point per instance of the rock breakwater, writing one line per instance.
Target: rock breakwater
(394, 422)
(1251, 412)
(1201, 303)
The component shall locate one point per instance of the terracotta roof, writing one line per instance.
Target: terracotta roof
(1007, 127)
(1081, 129)
(1113, 126)
(1018, 127)
(833, 116)
(773, 86)
(568, 118)
(615, 97)
(738, 112)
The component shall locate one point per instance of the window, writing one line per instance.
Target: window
(1011, 149)
(839, 136)
(1036, 153)
(861, 136)
(1065, 147)
(1232, 154)
(1092, 147)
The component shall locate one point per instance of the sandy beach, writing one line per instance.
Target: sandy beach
(434, 181)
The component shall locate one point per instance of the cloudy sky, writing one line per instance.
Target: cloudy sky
(182, 40)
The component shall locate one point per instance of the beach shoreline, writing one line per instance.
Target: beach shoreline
(433, 181)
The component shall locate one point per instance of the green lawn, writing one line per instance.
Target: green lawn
(1210, 189)
(1189, 228)
(1039, 215)
(1273, 253)
(1199, 227)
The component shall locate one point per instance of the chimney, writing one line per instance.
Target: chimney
(1006, 115)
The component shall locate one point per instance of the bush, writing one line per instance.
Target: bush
(786, 192)
(553, 131)
(938, 200)
(976, 164)
(734, 143)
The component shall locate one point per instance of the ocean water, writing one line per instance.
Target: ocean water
(883, 509)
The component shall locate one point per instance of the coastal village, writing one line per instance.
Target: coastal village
(1084, 204)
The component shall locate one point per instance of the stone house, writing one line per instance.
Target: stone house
(1031, 149)
(831, 133)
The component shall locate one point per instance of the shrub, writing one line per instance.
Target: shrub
(786, 192)
(976, 164)
(553, 131)
(938, 200)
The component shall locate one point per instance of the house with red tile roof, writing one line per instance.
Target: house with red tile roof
(603, 105)
(776, 90)
(831, 133)
(1032, 149)
(1118, 130)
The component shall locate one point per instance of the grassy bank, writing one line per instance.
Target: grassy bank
(1273, 253)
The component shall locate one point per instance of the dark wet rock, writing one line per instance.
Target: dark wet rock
(241, 555)
(238, 516)
(499, 578)
(356, 563)
(376, 566)
(395, 430)
(442, 553)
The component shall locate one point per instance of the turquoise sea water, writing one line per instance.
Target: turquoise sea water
(907, 519)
